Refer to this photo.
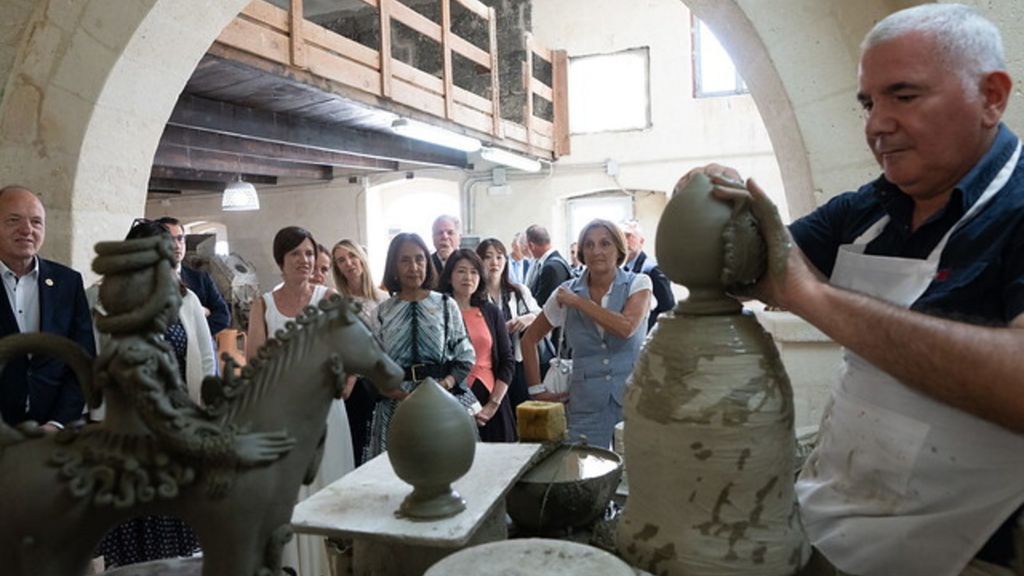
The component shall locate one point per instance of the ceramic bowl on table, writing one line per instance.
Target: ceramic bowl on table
(570, 488)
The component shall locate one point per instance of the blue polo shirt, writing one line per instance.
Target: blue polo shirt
(981, 272)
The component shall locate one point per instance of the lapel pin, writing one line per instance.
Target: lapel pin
(48, 282)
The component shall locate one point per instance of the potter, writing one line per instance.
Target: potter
(919, 467)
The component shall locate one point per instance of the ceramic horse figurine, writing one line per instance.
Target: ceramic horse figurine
(231, 469)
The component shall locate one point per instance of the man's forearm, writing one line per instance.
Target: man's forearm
(977, 369)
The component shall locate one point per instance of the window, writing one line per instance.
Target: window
(614, 206)
(714, 73)
(609, 92)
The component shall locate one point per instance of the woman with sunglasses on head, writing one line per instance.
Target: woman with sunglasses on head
(352, 277)
(601, 313)
(485, 324)
(295, 252)
(188, 336)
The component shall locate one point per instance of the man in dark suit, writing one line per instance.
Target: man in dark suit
(638, 261)
(38, 296)
(549, 268)
(218, 315)
(447, 235)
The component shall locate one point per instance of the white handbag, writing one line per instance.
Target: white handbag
(560, 372)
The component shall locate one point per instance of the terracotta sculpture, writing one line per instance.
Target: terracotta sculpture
(709, 415)
(231, 469)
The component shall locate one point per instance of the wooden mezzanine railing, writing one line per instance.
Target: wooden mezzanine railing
(285, 37)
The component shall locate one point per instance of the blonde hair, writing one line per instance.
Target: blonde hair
(366, 286)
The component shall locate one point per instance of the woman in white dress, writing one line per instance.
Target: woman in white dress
(295, 252)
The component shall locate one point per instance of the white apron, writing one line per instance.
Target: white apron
(900, 483)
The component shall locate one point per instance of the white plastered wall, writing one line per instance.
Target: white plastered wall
(330, 211)
(684, 133)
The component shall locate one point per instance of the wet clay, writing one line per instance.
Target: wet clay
(709, 413)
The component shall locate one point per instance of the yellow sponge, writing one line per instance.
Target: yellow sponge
(540, 421)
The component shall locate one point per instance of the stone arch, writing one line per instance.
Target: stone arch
(88, 89)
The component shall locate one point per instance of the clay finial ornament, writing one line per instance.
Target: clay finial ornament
(708, 246)
(431, 443)
(709, 414)
(230, 470)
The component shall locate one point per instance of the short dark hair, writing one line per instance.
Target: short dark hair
(478, 297)
(538, 235)
(289, 238)
(391, 280)
(145, 228)
(169, 221)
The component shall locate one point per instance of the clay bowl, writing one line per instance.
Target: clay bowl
(570, 488)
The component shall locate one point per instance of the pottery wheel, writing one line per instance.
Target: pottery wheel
(531, 556)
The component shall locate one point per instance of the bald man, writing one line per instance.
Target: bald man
(38, 296)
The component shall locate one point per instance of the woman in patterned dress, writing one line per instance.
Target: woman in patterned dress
(420, 329)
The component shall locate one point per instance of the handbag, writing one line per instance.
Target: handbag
(560, 370)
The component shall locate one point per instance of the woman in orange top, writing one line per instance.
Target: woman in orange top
(485, 324)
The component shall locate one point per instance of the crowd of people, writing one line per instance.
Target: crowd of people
(919, 274)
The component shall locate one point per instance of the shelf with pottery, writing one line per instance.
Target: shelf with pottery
(361, 506)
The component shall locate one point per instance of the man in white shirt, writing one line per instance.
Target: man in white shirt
(39, 296)
(518, 263)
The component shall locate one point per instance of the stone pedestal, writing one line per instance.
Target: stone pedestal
(361, 507)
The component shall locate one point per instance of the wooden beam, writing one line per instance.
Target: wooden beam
(233, 120)
(167, 173)
(446, 55)
(201, 140)
(560, 102)
(175, 185)
(183, 157)
(298, 41)
(492, 32)
(385, 48)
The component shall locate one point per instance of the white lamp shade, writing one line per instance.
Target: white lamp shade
(239, 196)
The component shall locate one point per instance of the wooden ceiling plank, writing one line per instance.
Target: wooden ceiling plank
(200, 140)
(183, 157)
(221, 117)
(187, 174)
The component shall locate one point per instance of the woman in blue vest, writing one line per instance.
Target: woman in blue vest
(601, 313)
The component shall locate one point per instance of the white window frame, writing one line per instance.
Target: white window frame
(698, 29)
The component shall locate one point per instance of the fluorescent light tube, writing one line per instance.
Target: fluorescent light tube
(499, 156)
(434, 135)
